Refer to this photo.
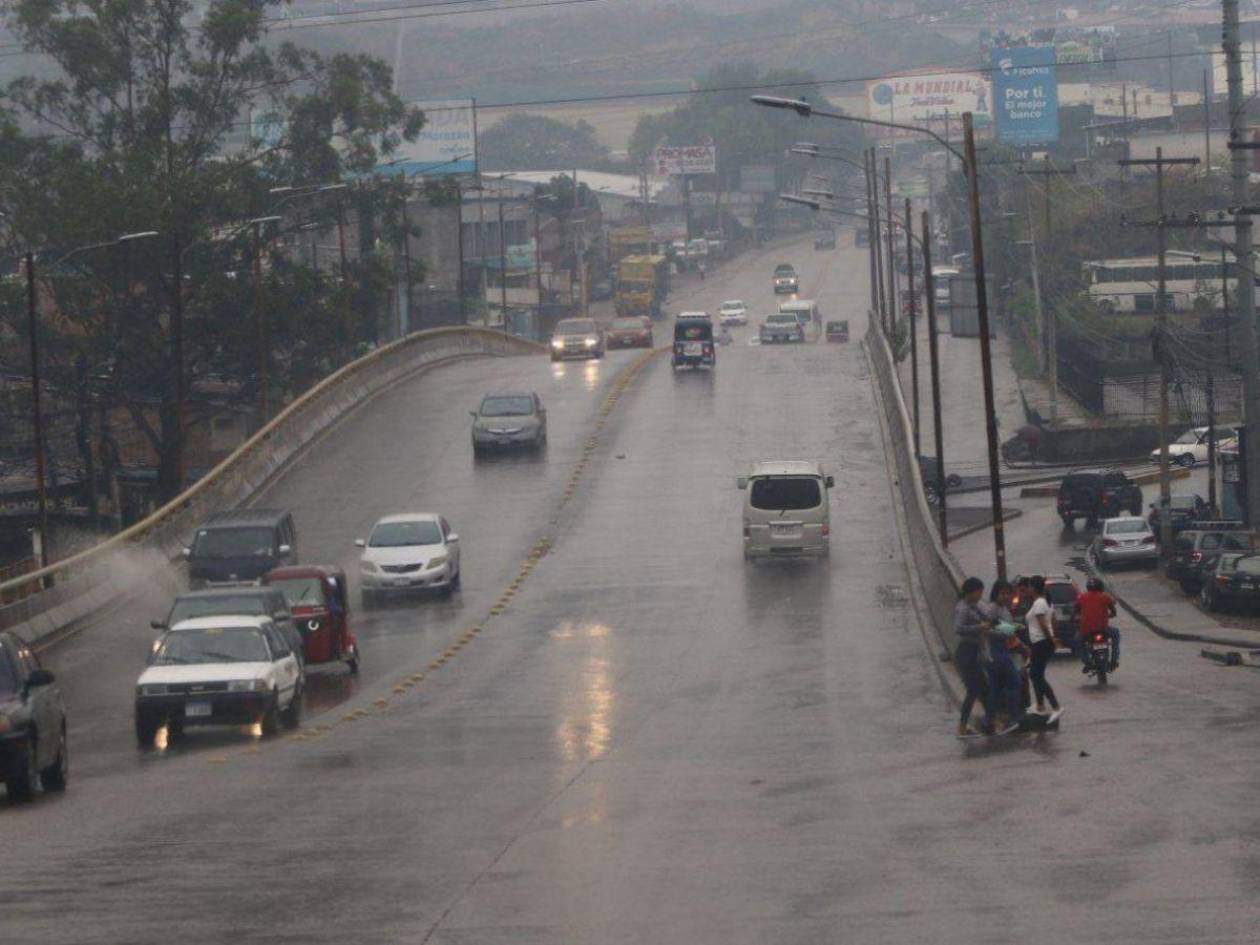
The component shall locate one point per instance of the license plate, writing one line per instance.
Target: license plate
(197, 710)
(693, 348)
(782, 529)
(401, 582)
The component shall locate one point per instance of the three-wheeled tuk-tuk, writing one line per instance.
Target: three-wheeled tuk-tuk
(693, 341)
(320, 606)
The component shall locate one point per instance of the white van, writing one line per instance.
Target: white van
(787, 512)
(807, 316)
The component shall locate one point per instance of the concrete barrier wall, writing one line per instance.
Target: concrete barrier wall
(109, 571)
(939, 575)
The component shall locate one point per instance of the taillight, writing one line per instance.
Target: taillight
(1110, 543)
(1148, 540)
(1098, 637)
(1196, 557)
(826, 530)
(1222, 580)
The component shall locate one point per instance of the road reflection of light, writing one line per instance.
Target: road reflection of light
(256, 730)
(558, 369)
(162, 738)
(585, 729)
(590, 375)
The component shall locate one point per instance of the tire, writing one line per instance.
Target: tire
(457, 580)
(353, 662)
(1102, 675)
(1208, 600)
(146, 731)
(55, 776)
(292, 716)
(22, 775)
(271, 717)
(953, 481)
(1186, 460)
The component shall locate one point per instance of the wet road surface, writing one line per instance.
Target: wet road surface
(652, 741)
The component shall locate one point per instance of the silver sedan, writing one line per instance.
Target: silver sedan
(1125, 540)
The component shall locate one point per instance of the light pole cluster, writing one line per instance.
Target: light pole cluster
(968, 159)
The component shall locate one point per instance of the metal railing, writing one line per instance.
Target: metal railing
(44, 601)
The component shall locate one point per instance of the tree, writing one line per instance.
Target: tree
(156, 110)
(535, 142)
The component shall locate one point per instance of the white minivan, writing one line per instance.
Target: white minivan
(807, 316)
(787, 511)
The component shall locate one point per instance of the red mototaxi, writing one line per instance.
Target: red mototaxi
(321, 611)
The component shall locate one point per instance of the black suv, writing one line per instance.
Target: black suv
(240, 546)
(1097, 494)
(1196, 551)
(33, 745)
(1183, 511)
(244, 601)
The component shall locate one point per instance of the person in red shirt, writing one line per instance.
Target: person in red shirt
(1094, 610)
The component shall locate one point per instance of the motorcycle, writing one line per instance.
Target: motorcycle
(1097, 656)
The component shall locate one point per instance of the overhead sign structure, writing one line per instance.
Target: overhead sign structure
(1026, 91)
(447, 143)
(917, 99)
(684, 159)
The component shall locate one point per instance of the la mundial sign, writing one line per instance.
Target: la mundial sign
(1026, 95)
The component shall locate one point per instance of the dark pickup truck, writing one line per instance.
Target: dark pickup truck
(1097, 494)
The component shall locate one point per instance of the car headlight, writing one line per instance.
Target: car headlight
(367, 566)
(591, 342)
(152, 689)
(557, 342)
(438, 561)
(247, 685)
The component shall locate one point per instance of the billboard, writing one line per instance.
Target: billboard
(1027, 95)
(1073, 45)
(447, 143)
(684, 159)
(921, 98)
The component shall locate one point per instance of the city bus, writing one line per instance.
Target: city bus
(1128, 285)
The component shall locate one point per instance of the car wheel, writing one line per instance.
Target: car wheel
(1186, 460)
(271, 717)
(21, 775)
(1208, 599)
(457, 580)
(55, 776)
(353, 661)
(292, 715)
(146, 731)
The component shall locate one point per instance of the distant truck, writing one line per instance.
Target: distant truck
(631, 240)
(642, 284)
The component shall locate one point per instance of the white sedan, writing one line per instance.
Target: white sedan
(733, 312)
(226, 670)
(1125, 540)
(1191, 447)
(411, 551)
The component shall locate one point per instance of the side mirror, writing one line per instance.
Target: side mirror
(741, 482)
(831, 482)
(452, 539)
(285, 549)
(156, 625)
(41, 677)
(360, 543)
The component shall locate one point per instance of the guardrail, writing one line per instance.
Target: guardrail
(939, 574)
(92, 579)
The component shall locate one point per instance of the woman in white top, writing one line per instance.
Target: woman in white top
(1040, 620)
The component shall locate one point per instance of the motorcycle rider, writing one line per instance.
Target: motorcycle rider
(1094, 610)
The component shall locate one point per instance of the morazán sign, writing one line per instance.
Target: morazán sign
(916, 99)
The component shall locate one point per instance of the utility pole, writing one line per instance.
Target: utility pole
(1161, 335)
(1243, 260)
(1172, 91)
(404, 328)
(986, 353)
(260, 328)
(929, 293)
(177, 354)
(871, 240)
(346, 322)
(1207, 131)
(37, 416)
(876, 243)
(892, 264)
(503, 266)
(914, 344)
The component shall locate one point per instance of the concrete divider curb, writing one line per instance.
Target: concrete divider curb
(97, 577)
(934, 574)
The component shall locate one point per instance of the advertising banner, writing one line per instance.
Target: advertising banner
(1026, 94)
(447, 143)
(1073, 45)
(684, 159)
(918, 99)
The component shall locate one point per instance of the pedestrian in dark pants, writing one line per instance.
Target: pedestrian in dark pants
(970, 627)
(1004, 676)
(1041, 636)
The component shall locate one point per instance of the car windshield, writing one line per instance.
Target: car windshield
(402, 534)
(213, 645)
(1126, 527)
(1187, 438)
(627, 324)
(575, 326)
(1060, 593)
(784, 271)
(782, 318)
(732, 306)
(1248, 565)
(233, 542)
(507, 407)
(776, 493)
(8, 680)
(300, 592)
(186, 608)
(698, 330)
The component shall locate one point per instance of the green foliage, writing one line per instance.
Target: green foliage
(527, 142)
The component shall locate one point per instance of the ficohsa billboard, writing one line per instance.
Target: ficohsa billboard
(921, 98)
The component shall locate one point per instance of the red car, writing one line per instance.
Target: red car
(317, 600)
(632, 331)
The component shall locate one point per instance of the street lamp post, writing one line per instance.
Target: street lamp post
(260, 322)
